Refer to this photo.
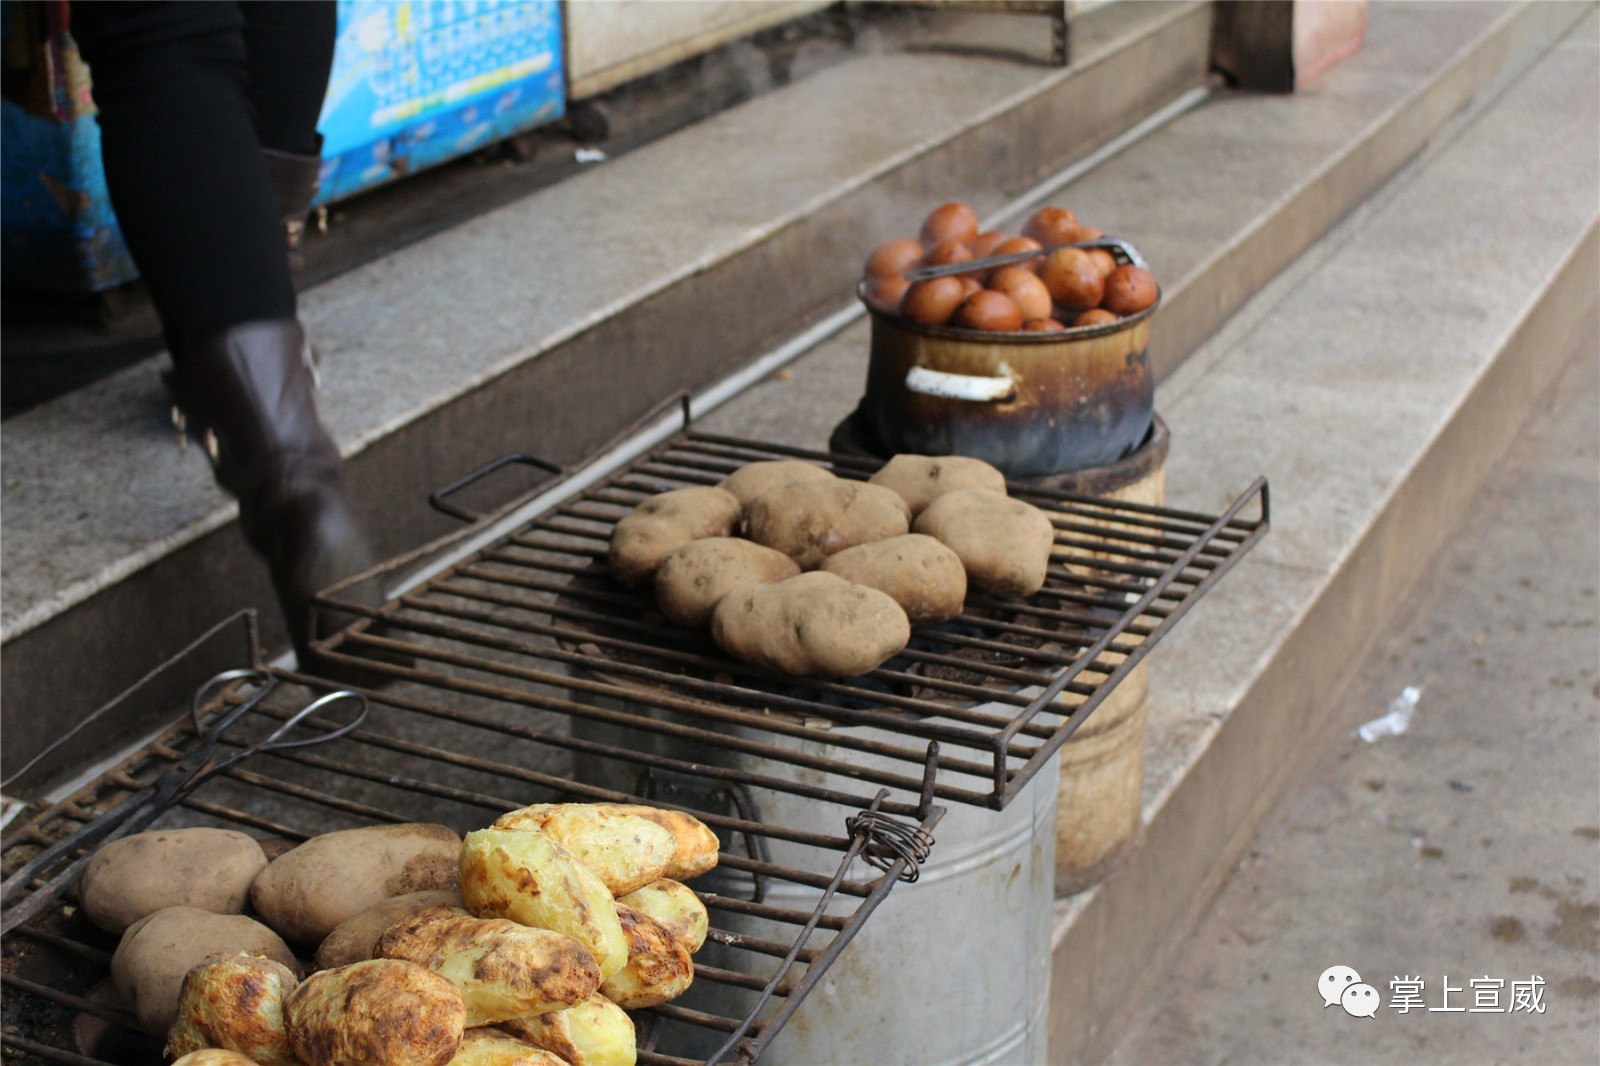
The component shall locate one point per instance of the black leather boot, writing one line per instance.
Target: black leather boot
(247, 393)
(294, 183)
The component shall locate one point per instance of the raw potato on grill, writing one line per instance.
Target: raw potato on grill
(156, 952)
(596, 1032)
(491, 1047)
(921, 479)
(382, 1012)
(659, 968)
(816, 623)
(352, 940)
(504, 970)
(812, 520)
(696, 845)
(664, 523)
(623, 849)
(923, 576)
(676, 907)
(529, 878)
(308, 891)
(1003, 543)
(211, 869)
(752, 479)
(693, 579)
(235, 1004)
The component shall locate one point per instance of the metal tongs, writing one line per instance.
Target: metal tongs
(1110, 244)
(143, 807)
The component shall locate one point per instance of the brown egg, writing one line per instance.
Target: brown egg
(969, 285)
(984, 244)
(1051, 226)
(1089, 233)
(1130, 289)
(932, 302)
(946, 252)
(893, 257)
(1043, 325)
(885, 293)
(1022, 244)
(950, 222)
(1095, 316)
(989, 310)
(1104, 261)
(1025, 290)
(1073, 279)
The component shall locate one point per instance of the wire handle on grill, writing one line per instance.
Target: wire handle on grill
(888, 839)
(436, 499)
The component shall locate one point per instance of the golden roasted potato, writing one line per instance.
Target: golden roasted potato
(1003, 543)
(697, 846)
(157, 951)
(353, 938)
(215, 1057)
(817, 623)
(306, 892)
(811, 520)
(235, 1004)
(676, 907)
(504, 970)
(492, 1047)
(382, 1012)
(140, 874)
(622, 849)
(752, 479)
(923, 576)
(659, 968)
(665, 522)
(529, 878)
(596, 1032)
(921, 479)
(694, 578)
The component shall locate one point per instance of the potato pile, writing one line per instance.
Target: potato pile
(1070, 287)
(524, 944)
(826, 575)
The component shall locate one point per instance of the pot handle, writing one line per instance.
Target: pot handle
(948, 386)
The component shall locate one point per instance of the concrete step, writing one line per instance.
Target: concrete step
(668, 267)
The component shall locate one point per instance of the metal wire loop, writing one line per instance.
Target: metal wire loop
(888, 839)
(206, 691)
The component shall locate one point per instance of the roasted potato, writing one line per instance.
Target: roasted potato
(529, 878)
(306, 892)
(622, 849)
(215, 1057)
(752, 479)
(504, 970)
(596, 1032)
(816, 623)
(211, 869)
(353, 938)
(157, 951)
(666, 522)
(237, 1004)
(676, 907)
(382, 1012)
(812, 520)
(921, 479)
(696, 848)
(694, 578)
(493, 1047)
(659, 968)
(1003, 543)
(923, 576)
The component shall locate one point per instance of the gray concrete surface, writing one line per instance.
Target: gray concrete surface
(1461, 850)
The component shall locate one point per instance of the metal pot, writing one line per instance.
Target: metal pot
(1032, 404)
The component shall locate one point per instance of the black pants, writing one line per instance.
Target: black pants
(188, 95)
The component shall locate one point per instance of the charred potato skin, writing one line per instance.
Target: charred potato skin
(211, 869)
(693, 579)
(504, 970)
(817, 623)
(308, 891)
(1003, 543)
(923, 576)
(596, 1032)
(235, 1004)
(921, 479)
(659, 967)
(665, 522)
(353, 939)
(530, 879)
(752, 479)
(624, 850)
(812, 520)
(676, 907)
(379, 1011)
